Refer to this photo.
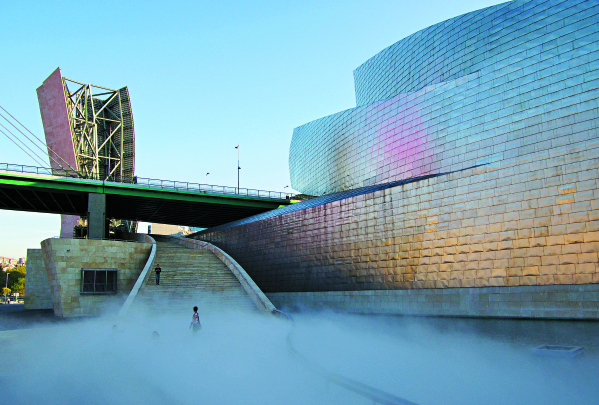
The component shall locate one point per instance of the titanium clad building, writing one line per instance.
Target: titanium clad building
(465, 182)
(495, 86)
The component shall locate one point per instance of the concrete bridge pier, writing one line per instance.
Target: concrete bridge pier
(97, 225)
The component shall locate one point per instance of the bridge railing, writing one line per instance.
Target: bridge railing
(153, 183)
(211, 189)
(44, 171)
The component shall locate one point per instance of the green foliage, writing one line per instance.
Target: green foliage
(19, 286)
(16, 279)
(5, 291)
(19, 269)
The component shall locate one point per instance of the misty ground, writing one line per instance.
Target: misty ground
(243, 358)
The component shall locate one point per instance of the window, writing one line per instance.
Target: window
(98, 281)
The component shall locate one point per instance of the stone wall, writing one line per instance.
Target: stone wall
(548, 301)
(37, 289)
(530, 221)
(64, 259)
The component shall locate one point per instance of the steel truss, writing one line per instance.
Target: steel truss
(98, 130)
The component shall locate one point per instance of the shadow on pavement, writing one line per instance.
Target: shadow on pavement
(14, 316)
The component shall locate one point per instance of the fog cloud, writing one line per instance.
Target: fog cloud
(243, 358)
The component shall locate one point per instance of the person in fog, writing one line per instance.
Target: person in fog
(195, 321)
(157, 270)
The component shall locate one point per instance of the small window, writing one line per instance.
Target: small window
(98, 281)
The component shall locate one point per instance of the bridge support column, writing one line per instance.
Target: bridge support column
(96, 216)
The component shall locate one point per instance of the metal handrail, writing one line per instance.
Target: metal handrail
(374, 394)
(154, 183)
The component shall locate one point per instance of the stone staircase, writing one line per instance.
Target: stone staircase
(191, 277)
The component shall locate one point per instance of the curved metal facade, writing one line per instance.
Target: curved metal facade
(494, 86)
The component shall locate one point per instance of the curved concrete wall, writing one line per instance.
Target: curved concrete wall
(501, 85)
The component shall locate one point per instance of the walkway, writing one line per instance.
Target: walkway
(192, 277)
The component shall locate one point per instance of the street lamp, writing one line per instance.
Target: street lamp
(5, 269)
(238, 168)
(207, 178)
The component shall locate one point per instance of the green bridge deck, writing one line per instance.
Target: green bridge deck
(61, 195)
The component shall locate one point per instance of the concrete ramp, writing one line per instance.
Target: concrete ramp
(191, 277)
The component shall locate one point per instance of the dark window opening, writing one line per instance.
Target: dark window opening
(98, 281)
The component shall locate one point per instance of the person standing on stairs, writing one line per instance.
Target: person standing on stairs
(157, 270)
(195, 321)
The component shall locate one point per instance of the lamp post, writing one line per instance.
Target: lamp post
(5, 269)
(238, 168)
(207, 178)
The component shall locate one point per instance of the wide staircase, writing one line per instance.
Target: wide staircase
(191, 277)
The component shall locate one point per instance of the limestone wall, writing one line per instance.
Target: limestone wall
(64, 259)
(576, 301)
(37, 289)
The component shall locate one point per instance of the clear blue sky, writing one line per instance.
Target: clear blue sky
(203, 77)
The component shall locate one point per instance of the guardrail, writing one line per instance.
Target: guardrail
(153, 183)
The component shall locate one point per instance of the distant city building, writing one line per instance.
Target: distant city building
(165, 229)
(10, 262)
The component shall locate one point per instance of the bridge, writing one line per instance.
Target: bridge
(37, 189)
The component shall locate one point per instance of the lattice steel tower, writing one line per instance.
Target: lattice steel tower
(89, 129)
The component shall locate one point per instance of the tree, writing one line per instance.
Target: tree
(5, 291)
(16, 279)
(19, 286)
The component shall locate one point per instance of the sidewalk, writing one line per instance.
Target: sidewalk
(14, 316)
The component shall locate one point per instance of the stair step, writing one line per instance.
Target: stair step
(192, 275)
